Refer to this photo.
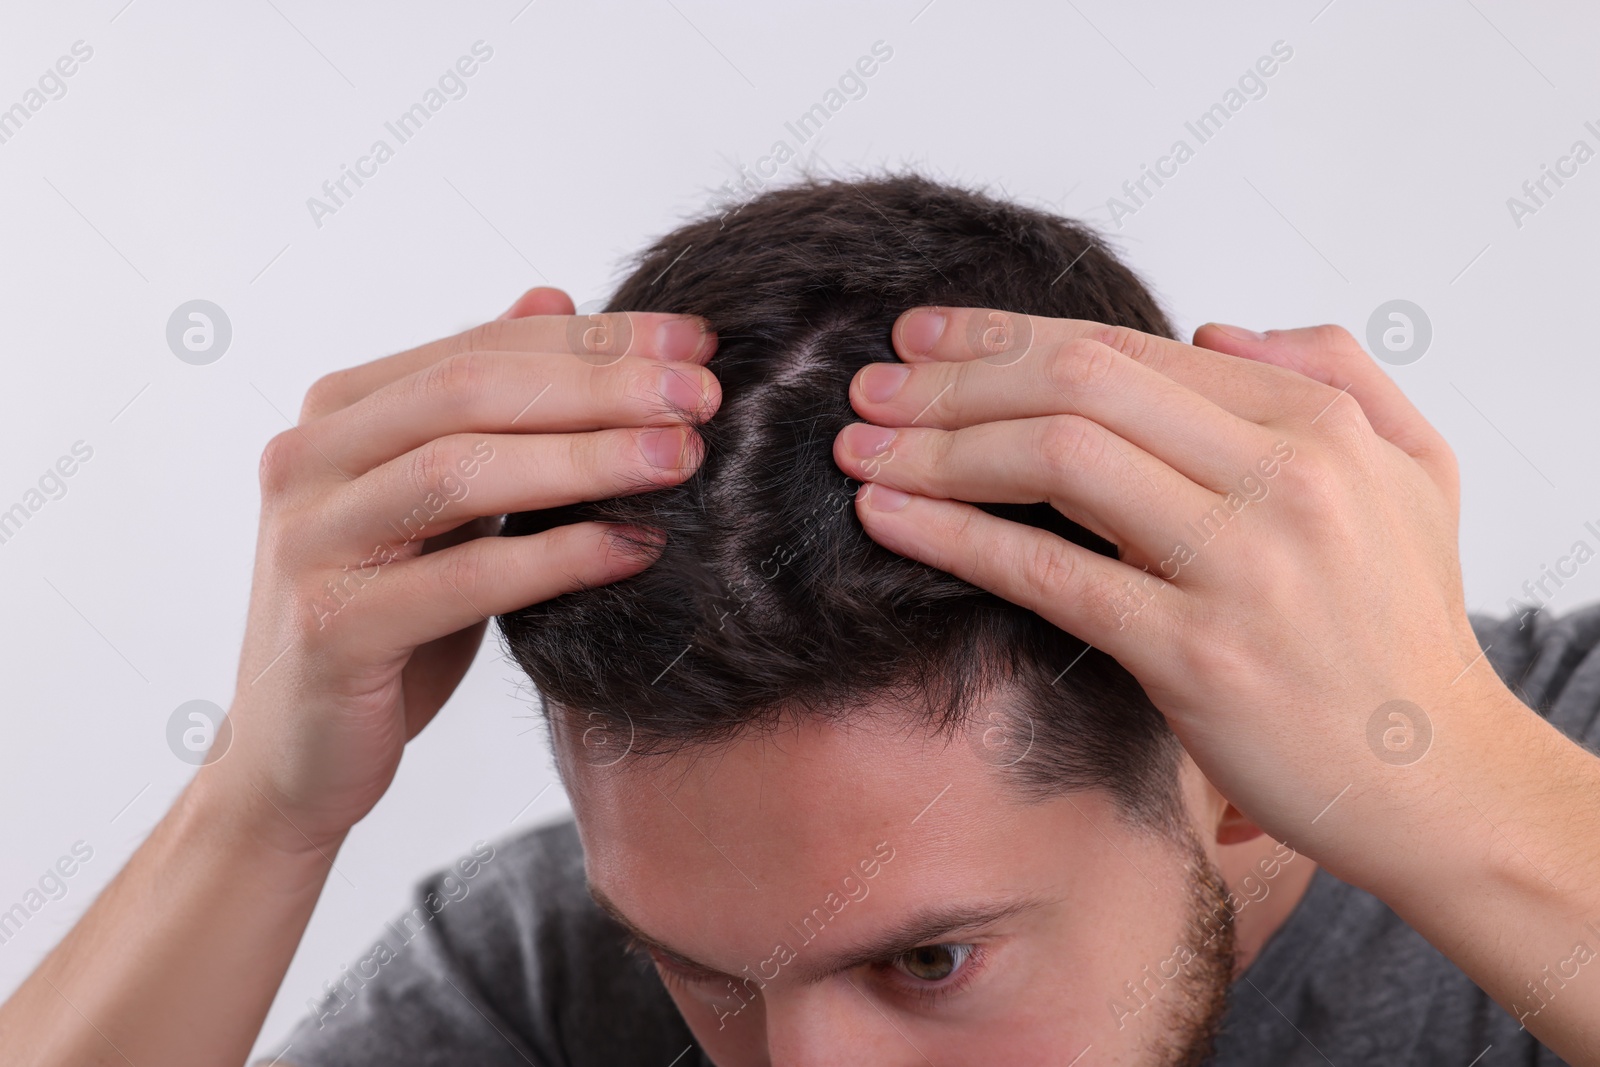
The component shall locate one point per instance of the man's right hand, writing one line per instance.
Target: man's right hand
(377, 562)
(377, 569)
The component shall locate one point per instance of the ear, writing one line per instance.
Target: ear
(1234, 828)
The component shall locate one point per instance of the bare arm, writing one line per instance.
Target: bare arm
(373, 585)
(183, 953)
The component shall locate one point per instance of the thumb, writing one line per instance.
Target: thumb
(1331, 356)
(542, 300)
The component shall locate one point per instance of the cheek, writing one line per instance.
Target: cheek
(1094, 985)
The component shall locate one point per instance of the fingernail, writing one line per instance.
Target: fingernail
(681, 338)
(665, 447)
(680, 392)
(881, 381)
(881, 498)
(1239, 333)
(866, 440)
(920, 330)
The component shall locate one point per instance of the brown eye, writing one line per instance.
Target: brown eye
(933, 963)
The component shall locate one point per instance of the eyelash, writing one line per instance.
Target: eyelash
(674, 976)
(972, 966)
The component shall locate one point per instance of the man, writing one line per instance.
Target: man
(840, 774)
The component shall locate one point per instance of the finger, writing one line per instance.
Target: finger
(595, 339)
(509, 392)
(1328, 354)
(411, 602)
(1259, 394)
(1086, 472)
(1113, 606)
(541, 300)
(461, 477)
(1206, 443)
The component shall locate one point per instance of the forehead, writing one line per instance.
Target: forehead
(752, 833)
(804, 789)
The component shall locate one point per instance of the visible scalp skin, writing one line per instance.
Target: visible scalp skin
(769, 595)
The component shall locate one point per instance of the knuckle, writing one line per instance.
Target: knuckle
(1130, 342)
(1438, 450)
(280, 463)
(430, 464)
(465, 567)
(1224, 654)
(1082, 367)
(1335, 338)
(606, 334)
(1071, 444)
(486, 337)
(585, 454)
(1339, 418)
(616, 330)
(459, 376)
(327, 394)
(1311, 479)
(1051, 570)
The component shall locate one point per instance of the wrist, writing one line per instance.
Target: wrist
(225, 805)
(1477, 823)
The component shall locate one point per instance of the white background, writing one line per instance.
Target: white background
(179, 163)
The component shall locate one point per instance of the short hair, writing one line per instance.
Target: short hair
(769, 599)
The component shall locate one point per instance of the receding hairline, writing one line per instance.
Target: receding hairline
(1177, 826)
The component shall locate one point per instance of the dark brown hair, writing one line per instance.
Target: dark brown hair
(769, 598)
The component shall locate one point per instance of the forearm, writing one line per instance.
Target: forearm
(179, 958)
(1509, 887)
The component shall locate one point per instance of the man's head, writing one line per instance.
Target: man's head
(784, 742)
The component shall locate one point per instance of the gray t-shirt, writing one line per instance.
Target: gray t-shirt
(512, 964)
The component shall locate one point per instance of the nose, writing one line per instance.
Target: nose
(835, 1023)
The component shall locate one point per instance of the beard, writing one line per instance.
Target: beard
(1197, 997)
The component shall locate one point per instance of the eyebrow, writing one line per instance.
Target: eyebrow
(922, 927)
